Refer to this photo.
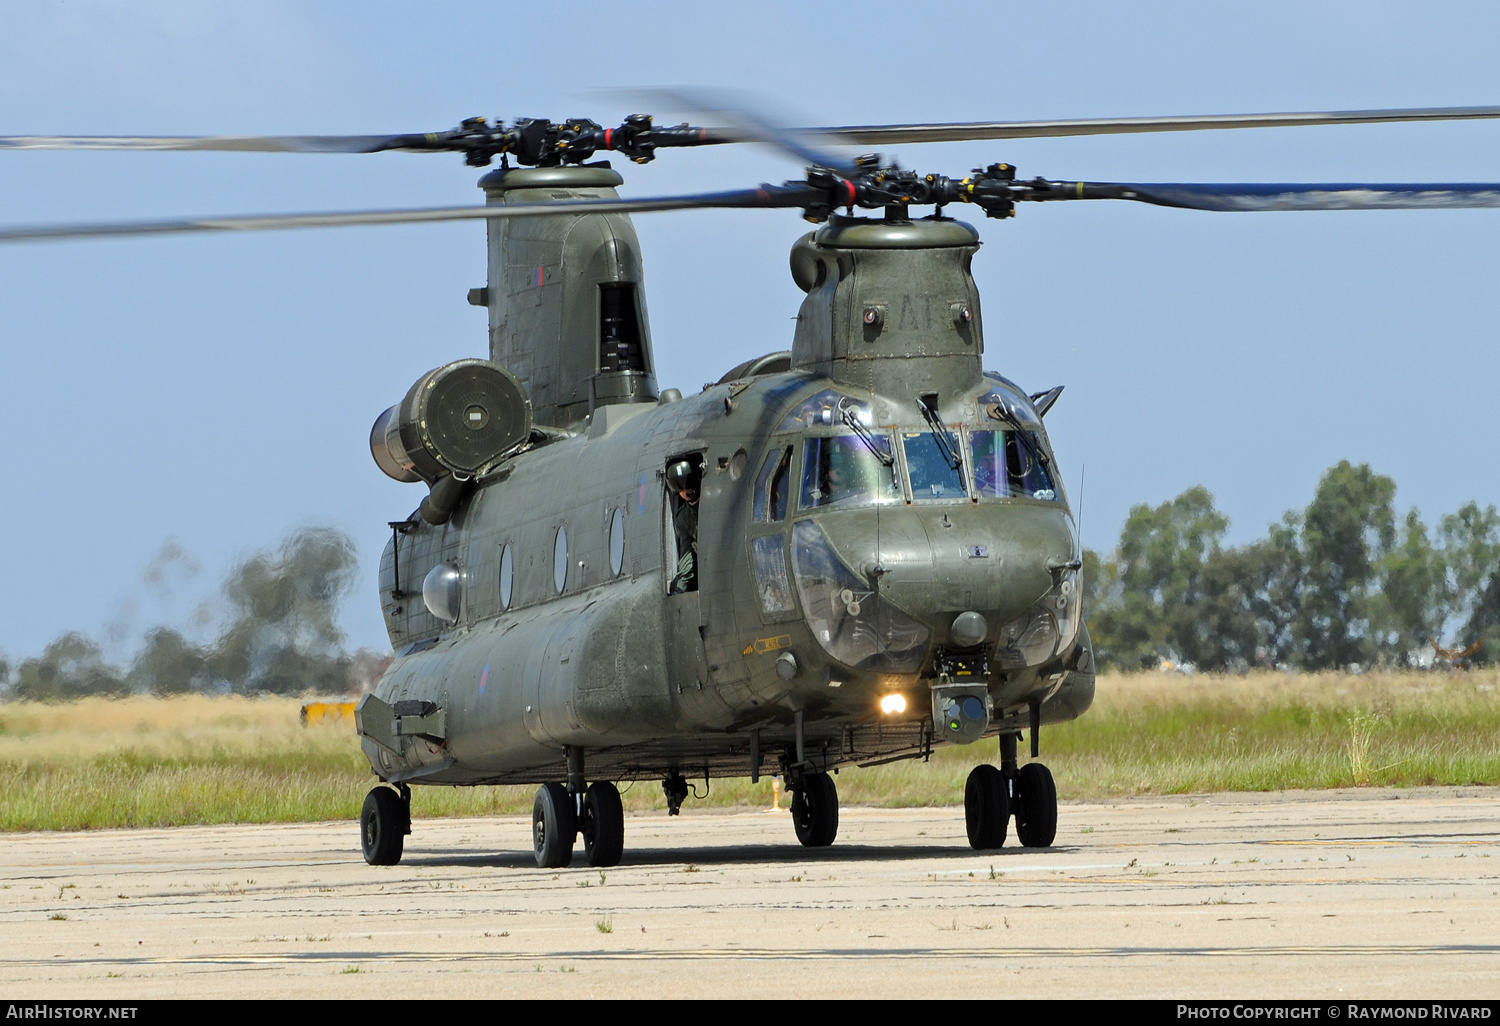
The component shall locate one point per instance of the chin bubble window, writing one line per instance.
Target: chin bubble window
(854, 625)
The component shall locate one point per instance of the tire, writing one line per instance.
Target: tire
(603, 824)
(554, 827)
(1036, 806)
(986, 807)
(815, 811)
(384, 823)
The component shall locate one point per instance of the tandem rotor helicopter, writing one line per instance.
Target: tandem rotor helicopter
(848, 552)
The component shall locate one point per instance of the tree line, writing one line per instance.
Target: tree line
(1346, 582)
(280, 636)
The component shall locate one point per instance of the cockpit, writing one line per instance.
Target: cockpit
(828, 455)
(849, 464)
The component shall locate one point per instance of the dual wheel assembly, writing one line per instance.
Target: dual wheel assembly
(558, 818)
(990, 799)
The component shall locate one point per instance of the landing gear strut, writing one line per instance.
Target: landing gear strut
(674, 786)
(384, 822)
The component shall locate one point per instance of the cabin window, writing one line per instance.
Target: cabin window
(771, 487)
(507, 576)
(560, 560)
(617, 542)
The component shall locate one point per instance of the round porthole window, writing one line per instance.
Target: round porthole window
(560, 560)
(507, 576)
(617, 542)
(442, 590)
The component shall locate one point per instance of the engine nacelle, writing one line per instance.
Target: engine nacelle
(456, 420)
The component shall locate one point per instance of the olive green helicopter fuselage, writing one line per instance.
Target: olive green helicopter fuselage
(882, 535)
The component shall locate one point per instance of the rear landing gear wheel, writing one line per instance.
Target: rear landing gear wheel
(554, 826)
(815, 810)
(603, 824)
(384, 823)
(986, 807)
(1036, 806)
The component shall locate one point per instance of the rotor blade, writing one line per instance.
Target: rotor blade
(765, 196)
(889, 135)
(807, 144)
(1271, 196)
(241, 143)
(746, 125)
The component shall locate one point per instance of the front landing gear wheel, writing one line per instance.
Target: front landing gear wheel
(554, 827)
(986, 807)
(1036, 806)
(384, 823)
(815, 810)
(603, 824)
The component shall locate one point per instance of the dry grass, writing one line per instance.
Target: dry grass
(163, 762)
(189, 727)
(1165, 733)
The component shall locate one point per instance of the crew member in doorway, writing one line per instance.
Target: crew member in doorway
(682, 479)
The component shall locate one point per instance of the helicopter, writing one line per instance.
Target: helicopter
(849, 552)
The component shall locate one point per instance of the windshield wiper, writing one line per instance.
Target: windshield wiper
(851, 418)
(1001, 411)
(940, 433)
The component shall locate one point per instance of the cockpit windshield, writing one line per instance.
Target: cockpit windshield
(931, 466)
(847, 470)
(1007, 465)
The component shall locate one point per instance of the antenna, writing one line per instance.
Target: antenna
(1082, 470)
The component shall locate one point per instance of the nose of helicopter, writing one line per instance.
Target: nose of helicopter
(941, 563)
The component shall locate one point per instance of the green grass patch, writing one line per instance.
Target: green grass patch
(145, 762)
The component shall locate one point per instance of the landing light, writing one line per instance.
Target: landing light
(892, 704)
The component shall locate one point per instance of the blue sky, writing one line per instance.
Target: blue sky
(216, 393)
